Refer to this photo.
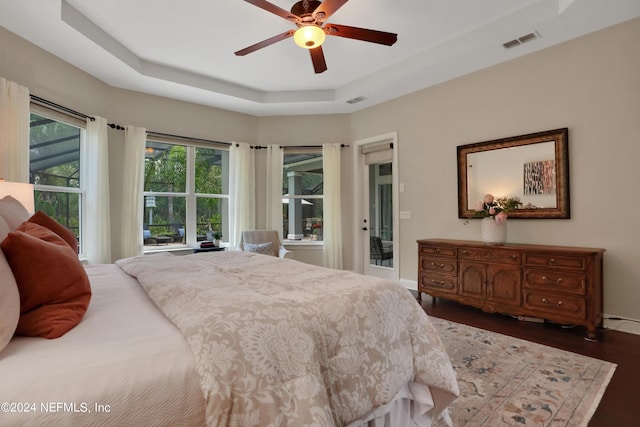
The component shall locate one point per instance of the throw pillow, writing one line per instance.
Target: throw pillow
(53, 285)
(9, 296)
(260, 248)
(45, 220)
(13, 212)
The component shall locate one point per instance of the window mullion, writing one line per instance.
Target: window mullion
(191, 197)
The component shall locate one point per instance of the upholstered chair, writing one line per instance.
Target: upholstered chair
(263, 241)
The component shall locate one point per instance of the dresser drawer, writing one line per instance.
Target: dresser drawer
(504, 256)
(443, 283)
(556, 280)
(576, 262)
(438, 251)
(564, 307)
(439, 265)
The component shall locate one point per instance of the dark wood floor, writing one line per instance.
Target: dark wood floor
(620, 405)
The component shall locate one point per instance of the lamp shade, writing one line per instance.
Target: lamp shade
(309, 36)
(20, 191)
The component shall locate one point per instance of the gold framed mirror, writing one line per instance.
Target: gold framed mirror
(532, 167)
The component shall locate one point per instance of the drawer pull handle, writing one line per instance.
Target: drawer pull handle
(552, 261)
(465, 252)
(437, 250)
(549, 304)
(434, 265)
(551, 281)
(438, 282)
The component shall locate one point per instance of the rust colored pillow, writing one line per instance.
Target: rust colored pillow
(45, 220)
(54, 287)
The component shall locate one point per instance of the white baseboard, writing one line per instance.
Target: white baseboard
(409, 284)
(623, 325)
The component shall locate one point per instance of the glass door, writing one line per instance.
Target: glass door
(380, 215)
(379, 222)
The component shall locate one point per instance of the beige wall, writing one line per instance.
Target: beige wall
(590, 85)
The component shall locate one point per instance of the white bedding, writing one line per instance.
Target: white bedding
(124, 355)
(279, 343)
(125, 364)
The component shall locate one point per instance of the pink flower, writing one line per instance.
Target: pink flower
(501, 217)
(488, 199)
(492, 211)
(478, 206)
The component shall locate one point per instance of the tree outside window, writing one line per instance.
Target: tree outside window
(173, 205)
(54, 169)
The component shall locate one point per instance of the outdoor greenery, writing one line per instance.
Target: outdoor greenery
(166, 172)
(55, 161)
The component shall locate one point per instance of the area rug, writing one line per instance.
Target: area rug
(505, 381)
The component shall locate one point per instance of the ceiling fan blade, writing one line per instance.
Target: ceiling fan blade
(317, 57)
(373, 36)
(265, 43)
(262, 4)
(328, 8)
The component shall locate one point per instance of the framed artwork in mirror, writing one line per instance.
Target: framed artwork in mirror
(532, 167)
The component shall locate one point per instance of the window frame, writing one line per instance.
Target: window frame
(81, 189)
(190, 195)
(301, 151)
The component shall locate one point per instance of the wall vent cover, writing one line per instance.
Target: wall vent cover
(356, 99)
(521, 40)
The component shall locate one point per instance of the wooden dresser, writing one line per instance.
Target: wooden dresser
(557, 283)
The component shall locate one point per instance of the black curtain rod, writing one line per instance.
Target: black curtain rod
(261, 147)
(255, 147)
(61, 108)
(309, 146)
(186, 138)
(47, 103)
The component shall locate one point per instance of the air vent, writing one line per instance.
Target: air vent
(521, 40)
(356, 99)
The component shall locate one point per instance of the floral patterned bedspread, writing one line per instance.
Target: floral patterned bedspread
(278, 342)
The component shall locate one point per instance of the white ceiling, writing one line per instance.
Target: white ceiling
(185, 50)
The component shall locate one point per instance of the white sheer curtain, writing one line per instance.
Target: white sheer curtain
(97, 225)
(275, 156)
(332, 227)
(242, 191)
(135, 140)
(14, 131)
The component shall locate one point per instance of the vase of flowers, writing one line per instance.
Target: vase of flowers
(493, 212)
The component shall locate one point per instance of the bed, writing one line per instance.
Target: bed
(232, 339)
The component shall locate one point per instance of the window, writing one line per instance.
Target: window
(302, 196)
(186, 189)
(55, 170)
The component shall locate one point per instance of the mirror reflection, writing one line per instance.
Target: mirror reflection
(526, 172)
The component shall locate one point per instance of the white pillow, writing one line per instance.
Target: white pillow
(13, 212)
(9, 296)
(260, 248)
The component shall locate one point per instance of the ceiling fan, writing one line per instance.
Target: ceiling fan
(310, 17)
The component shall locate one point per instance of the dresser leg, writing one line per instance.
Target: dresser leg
(593, 335)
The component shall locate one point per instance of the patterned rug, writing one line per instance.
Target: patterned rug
(505, 381)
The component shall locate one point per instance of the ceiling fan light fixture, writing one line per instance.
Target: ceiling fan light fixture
(309, 36)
